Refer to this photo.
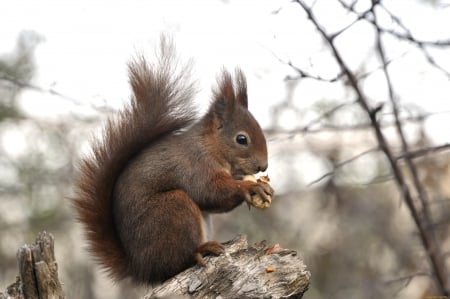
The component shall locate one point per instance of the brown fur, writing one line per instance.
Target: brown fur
(141, 194)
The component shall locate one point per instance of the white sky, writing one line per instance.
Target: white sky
(87, 45)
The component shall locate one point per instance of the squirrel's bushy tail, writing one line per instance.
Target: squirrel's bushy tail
(161, 104)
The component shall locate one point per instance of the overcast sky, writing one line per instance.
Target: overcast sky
(86, 45)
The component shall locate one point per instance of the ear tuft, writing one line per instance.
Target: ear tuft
(241, 88)
(225, 88)
(230, 93)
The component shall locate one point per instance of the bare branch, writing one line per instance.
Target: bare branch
(359, 17)
(427, 241)
(423, 151)
(326, 114)
(407, 278)
(420, 44)
(37, 88)
(429, 238)
(407, 36)
(403, 36)
(303, 74)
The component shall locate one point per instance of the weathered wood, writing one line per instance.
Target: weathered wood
(38, 271)
(243, 271)
(12, 291)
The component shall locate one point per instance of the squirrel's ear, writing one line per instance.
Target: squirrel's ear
(241, 88)
(224, 97)
(229, 94)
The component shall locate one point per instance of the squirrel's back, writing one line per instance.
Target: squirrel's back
(161, 104)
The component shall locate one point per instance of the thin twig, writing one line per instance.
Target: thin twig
(326, 114)
(407, 278)
(358, 127)
(423, 151)
(341, 164)
(420, 44)
(51, 91)
(359, 17)
(303, 74)
(407, 36)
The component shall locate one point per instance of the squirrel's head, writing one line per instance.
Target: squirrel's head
(241, 141)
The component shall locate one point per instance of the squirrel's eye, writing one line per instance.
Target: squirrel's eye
(241, 139)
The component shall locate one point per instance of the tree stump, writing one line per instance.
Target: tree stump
(243, 271)
(38, 271)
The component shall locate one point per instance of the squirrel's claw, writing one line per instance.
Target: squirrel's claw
(260, 193)
(260, 196)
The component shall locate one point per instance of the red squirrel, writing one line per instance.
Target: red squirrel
(157, 170)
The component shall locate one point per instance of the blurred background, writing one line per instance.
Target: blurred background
(63, 71)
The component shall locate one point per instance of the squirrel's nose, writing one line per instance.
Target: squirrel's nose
(262, 167)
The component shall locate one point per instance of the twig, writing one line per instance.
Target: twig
(407, 36)
(362, 126)
(359, 17)
(341, 164)
(303, 74)
(407, 278)
(37, 88)
(423, 151)
(326, 114)
(421, 44)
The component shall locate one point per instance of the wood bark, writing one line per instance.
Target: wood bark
(243, 271)
(38, 272)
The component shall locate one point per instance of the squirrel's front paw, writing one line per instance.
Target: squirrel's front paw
(260, 196)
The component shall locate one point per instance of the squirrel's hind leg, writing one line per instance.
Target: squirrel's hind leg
(163, 237)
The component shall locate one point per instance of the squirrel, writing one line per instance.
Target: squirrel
(156, 171)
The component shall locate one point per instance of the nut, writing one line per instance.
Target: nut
(256, 200)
